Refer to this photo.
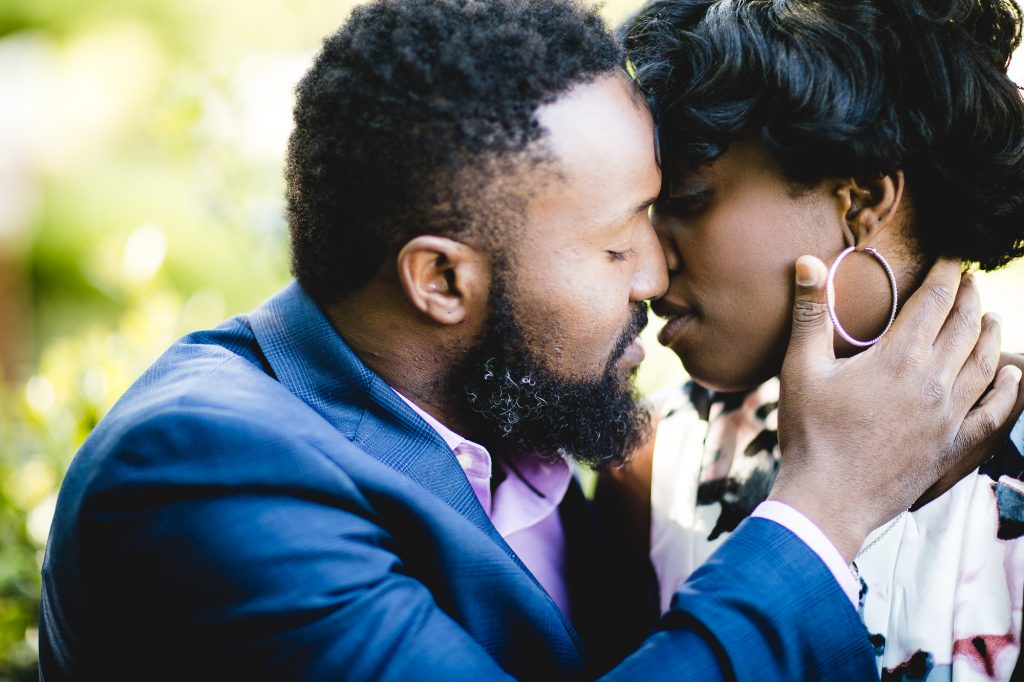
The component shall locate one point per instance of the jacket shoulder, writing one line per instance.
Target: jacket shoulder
(208, 410)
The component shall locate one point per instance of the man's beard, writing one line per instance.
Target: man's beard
(515, 397)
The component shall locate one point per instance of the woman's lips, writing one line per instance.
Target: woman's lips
(674, 328)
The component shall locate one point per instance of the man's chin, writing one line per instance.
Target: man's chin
(521, 400)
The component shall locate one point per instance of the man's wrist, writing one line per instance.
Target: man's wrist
(812, 536)
(844, 531)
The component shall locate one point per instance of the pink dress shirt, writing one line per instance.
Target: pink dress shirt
(528, 522)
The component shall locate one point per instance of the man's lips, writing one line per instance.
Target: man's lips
(633, 355)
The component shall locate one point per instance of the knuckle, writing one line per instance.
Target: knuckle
(984, 423)
(941, 296)
(905, 362)
(809, 311)
(986, 366)
(933, 393)
(967, 321)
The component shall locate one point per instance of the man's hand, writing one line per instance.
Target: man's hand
(862, 438)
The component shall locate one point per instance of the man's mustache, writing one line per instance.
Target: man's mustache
(636, 325)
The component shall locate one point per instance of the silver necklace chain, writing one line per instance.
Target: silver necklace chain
(889, 527)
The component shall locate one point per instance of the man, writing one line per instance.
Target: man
(366, 477)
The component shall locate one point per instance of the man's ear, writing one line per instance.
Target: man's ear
(444, 279)
(870, 206)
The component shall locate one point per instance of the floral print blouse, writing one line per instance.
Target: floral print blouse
(941, 587)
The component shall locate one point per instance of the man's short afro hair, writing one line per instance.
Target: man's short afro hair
(400, 107)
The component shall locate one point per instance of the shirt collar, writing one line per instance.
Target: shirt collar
(451, 439)
(517, 503)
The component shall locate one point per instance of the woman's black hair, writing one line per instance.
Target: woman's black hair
(852, 88)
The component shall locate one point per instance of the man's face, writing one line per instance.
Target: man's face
(553, 368)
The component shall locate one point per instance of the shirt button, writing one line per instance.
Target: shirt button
(465, 461)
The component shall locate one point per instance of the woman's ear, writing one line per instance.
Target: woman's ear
(870, 206)
(444, 279)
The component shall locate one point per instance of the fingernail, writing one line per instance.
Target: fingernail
(1014, 373)
(806, 273)
(996, 318)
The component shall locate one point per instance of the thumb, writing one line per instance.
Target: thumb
(812, 328)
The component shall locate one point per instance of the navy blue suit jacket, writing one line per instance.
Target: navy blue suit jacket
(261, 505)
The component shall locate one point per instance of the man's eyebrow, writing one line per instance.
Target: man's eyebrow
(626, 215)
(647, 203)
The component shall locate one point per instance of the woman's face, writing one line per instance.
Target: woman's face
(732, 232)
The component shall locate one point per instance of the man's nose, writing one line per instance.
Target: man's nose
(651, 278)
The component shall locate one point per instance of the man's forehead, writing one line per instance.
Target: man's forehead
(609, 95)
(601, 135)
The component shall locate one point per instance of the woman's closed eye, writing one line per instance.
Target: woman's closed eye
(684, 203)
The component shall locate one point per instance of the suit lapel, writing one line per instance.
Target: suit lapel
(311, 359)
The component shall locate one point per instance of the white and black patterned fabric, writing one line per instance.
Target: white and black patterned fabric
(942, 588)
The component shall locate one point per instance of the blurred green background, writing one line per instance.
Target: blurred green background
(141, 196)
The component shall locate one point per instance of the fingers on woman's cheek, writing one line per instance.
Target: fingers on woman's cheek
(926, 311)
(981, 367)
(961, 331)
(991, 413)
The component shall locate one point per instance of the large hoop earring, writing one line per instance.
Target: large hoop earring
(830, 296)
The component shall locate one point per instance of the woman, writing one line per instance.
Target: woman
(876, 135)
